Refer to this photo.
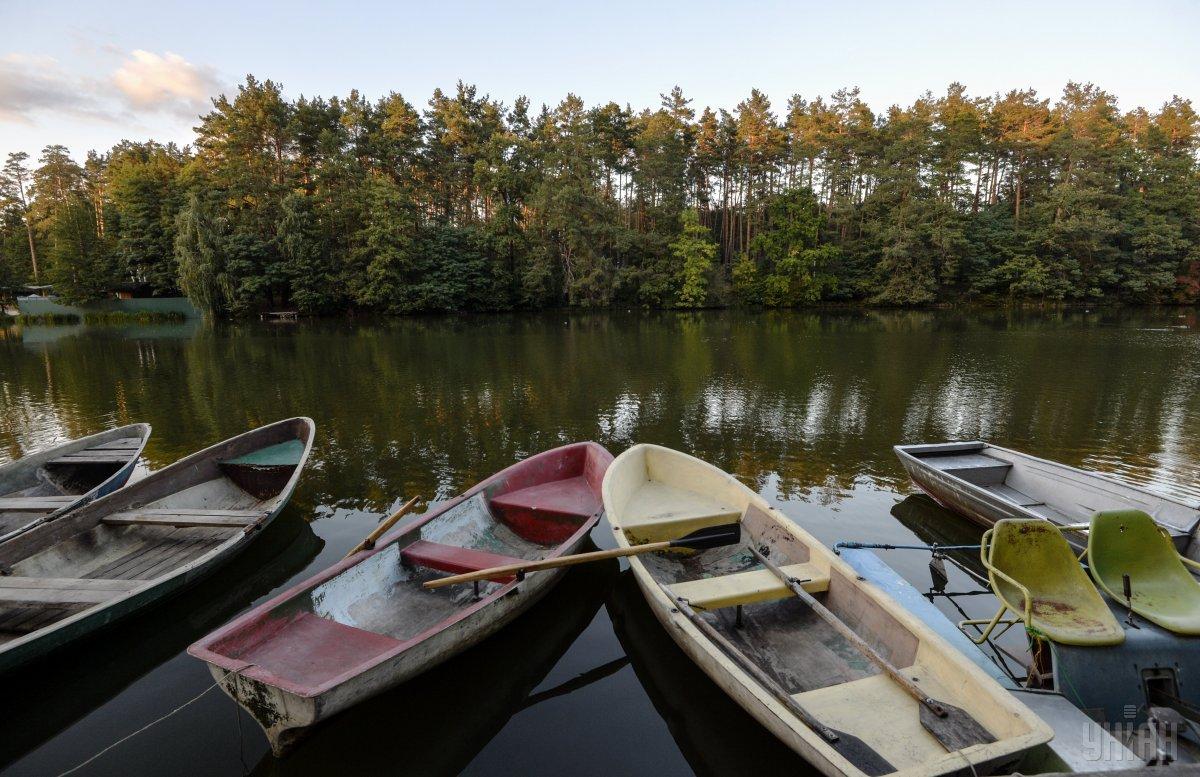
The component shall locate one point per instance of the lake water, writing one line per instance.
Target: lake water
(805, 407)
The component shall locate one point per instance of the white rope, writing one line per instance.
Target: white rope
(187, 703)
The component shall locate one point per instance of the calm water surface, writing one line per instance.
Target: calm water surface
(803, 407)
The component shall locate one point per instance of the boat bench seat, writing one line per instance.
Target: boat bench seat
(669, 527)
(456, 560)
(977, 468)
(34, 504)
(548, 513)
(303, 651)
(59, 592)
(757, 585)
(105, 453)
(1010, 494)
(185, 517)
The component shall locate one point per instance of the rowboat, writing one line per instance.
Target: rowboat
(987, 483)
(438, 722)
(282, 550)
(798, 664)
(44, 485)
(368, 624)
(126, 551)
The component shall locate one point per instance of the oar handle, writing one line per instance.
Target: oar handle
(851, 635)
(550, 563)
(369, 541)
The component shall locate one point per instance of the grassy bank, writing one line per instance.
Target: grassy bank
(115, 317)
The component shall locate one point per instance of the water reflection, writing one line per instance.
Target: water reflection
(816, 399)
(804, 407)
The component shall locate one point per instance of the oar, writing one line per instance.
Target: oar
(369, 541)
(848, 746)
(712, 537)
(951, 726)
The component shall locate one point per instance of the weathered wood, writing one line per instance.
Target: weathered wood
(217, 519)
(67, 583)
(124, 444)
(91, 458)
(849, 747)
(951, 726)
(34, 503)
(60, 592)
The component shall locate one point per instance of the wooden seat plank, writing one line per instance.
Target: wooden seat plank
(60, 591)
(757, 585)
(91, 458)
(125, 443)
(194, 511)
(216, 519)
(455, 560)
(35, 503)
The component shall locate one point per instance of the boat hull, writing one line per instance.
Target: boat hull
(917, 649)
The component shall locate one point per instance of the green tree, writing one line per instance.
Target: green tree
(695, 254)
(200, 252)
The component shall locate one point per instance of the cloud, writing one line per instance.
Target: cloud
(143, 82)
(168, 82)
(32, 85)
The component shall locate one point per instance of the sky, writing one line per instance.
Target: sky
(88, 74)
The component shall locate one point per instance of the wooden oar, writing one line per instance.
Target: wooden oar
(711, 537)
(848, 746)
(951, 726)
(369, 541)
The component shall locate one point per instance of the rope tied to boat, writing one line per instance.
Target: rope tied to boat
(144, 728)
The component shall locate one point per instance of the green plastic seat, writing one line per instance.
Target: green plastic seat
(1129, 542)
(1036, 575)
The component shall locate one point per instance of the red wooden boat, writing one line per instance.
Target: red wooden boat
(367, 624)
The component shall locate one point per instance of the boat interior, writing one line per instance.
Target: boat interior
(146, 531)
(41, 485)
(754, 610)
(378, 604)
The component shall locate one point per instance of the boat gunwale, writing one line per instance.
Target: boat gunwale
(202, 648)
(1037, 730)
(905, 454)
(167, 583)
(122, 472)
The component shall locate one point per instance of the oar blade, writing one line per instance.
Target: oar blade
(711, 537)
(860, 754)
(955, 731)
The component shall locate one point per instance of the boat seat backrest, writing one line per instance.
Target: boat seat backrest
(1062, 605)
(1129, 542)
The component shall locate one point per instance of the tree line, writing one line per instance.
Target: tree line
(326, 205)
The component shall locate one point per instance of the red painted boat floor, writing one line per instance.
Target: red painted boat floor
(453, 559)
(572, 496)
(310, 650)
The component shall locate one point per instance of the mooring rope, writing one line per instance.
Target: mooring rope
(127, 737)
